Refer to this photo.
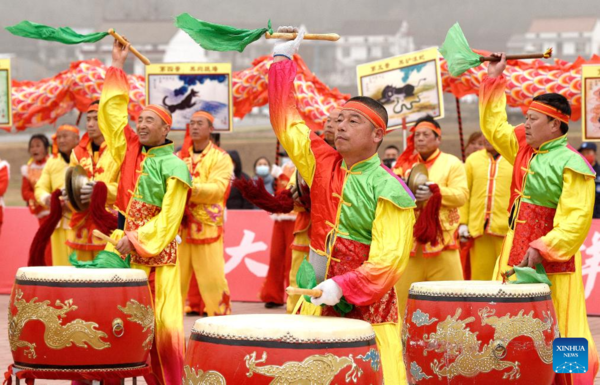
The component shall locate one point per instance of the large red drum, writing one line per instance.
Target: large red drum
(479, 332)
(64, 319)
(282, 349)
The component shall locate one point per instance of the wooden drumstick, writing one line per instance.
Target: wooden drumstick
(134, 51)
(297, 291)
(308, 36)
(104, 237)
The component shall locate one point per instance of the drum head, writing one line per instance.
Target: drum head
(493, 289)
(285, 327)
(72, 274)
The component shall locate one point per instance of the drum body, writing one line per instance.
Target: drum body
(282, 349)
(479, 332)
(68, 319)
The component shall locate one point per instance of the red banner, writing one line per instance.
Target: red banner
(247, 243)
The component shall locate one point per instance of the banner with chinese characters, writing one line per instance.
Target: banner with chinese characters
(409, 85)
(5, 94)
(590, 106)
(184, 88)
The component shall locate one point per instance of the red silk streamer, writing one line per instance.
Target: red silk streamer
(104, 220)
(428, 228)
(42, 236)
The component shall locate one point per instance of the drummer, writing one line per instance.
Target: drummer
(100, 167)
(362, 214)
(552, 200)
(433, 259)
(151, 201)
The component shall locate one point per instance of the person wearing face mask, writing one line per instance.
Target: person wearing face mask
(551, 202)
(101, 168)
(151, 200)
(201, 249)
(52, 179)
(262, 170)
(588, 150)
(435, 256)
(390, 154)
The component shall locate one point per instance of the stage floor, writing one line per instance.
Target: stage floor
(238, 308)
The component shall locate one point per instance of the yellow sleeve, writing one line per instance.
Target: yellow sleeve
(292, 132)
(457, 192)
(152, 238)
(213, 190)
(572, 220)
(112, 113)
(392, 237)
(464, 210)
(111, 195)
(492, 118)
(43, 186)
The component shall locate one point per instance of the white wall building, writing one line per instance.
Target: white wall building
(569, 37)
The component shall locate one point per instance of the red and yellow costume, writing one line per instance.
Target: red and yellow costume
(551, 205)
(53, 178)
(201, 249)
(362, 221)
(100, 167)
(486, 212)
(151, 199)
(280, 257)
(440, 260)
(31, 173)
(4, 178)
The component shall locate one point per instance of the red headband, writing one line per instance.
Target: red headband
(161, 112)
(68, 127)
(368, 113)
(93, 107)
(550, 111)
(429, 125)
(204, 114)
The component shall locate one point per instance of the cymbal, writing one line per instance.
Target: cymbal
(418, 176)
(75, 178)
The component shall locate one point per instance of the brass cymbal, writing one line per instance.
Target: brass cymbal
(418, 176)
(75, 178)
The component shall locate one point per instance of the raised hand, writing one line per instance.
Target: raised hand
(496, 68)
(119, 53)
(288, 48)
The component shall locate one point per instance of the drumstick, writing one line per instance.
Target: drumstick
(308, 36)
(104, 237)
(134, 51)
(297, 291)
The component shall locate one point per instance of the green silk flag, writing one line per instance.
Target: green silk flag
(217, 37)
(459, 56)
(307, 279)
(104, 260)
(528, 275)
(63, 35)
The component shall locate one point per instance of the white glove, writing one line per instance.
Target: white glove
(423, 193)
(86, 191)
(463, 233)
(178, 239)
(276, 171)
(332, 293)
(288, 48)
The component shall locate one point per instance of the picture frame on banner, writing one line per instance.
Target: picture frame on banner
(590, 103)
(408, 85)
(184, 88)
(5, 93)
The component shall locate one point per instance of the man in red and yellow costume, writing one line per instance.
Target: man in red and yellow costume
(201, 249)
(551, 203)
(484, 218)
(99, 165)
(151, 199)
(362, 214)
(52, 179)
(433, 258)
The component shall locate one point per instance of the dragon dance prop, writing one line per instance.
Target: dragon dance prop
(41, 103)
(460, 57)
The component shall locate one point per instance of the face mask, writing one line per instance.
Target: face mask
(591, 158)
(262, 170)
